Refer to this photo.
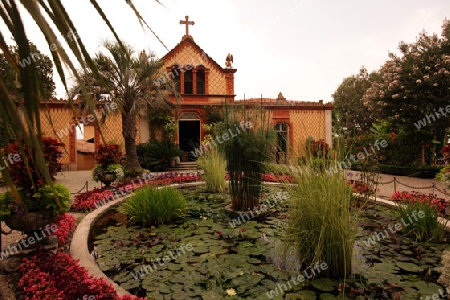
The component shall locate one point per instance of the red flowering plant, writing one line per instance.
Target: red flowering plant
(34, 190)
(446, 150)
(59, 276)
(65, 225)
(108, 161)
(435, 202)
(91, 200)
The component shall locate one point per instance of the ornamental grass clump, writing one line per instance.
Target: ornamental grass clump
(422, 220)
(320, 227)
(213, 164)
(154, 206)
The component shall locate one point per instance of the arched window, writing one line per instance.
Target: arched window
(174, 75)
(188, 82)
(282, 142)
(200, 82)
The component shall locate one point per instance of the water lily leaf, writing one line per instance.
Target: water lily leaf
(130, 284)
(293, 297)
(307, 295)
(200, 249)
(218, 250)
(427, 289)
(253, 260)
(326, 296)
(409, 267)
(279, 275)
(323, 284)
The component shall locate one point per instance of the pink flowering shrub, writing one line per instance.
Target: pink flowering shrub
(431, 199)
(59, 276)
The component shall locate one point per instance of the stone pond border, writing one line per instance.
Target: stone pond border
(79, 244)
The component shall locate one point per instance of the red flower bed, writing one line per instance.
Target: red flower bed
(431, 199)
(276, 178)
(91, 200)
(65, 225)
(359, 187)
(59, 276)
(270, 178)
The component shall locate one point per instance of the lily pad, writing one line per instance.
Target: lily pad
(409, 267)
(324, 284)
(307, 295)
(326, 296)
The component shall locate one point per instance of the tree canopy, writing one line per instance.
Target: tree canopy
(351, 114)
(409, 96)
(44, 68)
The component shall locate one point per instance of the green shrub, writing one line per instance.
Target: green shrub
(278, 169)
(156, 155)
(213, 164)
(420, 172)
(154, 206)
(320, 227)
(49, 196)
(422, 221)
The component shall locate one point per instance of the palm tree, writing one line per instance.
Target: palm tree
(131, 81)
(48, 15)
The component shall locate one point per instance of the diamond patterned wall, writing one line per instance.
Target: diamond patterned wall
(217, 81)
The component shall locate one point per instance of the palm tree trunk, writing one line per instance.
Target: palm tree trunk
(129, 135)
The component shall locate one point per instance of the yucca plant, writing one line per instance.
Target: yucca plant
(320, 226)
(154, 206)
(213, 164)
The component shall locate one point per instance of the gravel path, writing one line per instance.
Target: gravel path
(77, 181)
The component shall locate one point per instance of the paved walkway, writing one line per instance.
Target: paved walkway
(388, 184)
(78, 181)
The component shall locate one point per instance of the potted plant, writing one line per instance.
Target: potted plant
(35, 201)
(108, 168)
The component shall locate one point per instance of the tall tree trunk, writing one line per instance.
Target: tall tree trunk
(129, 135)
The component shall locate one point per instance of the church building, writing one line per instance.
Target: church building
(203, 83)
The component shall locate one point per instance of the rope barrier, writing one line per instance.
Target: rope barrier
(395, 181)
(416, 188)
(382, 183)
(86, 185)
(443, 192)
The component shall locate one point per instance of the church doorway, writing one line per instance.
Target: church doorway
(282, 143)
(189, 137)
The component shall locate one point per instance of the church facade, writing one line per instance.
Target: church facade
(204, 84)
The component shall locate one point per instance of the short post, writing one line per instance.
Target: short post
(395, 184)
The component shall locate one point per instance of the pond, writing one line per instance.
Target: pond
(212, 255)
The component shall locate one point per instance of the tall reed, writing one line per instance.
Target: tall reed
(320, 227)
(213, 164)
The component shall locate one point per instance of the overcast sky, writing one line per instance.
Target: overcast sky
(303, 48)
